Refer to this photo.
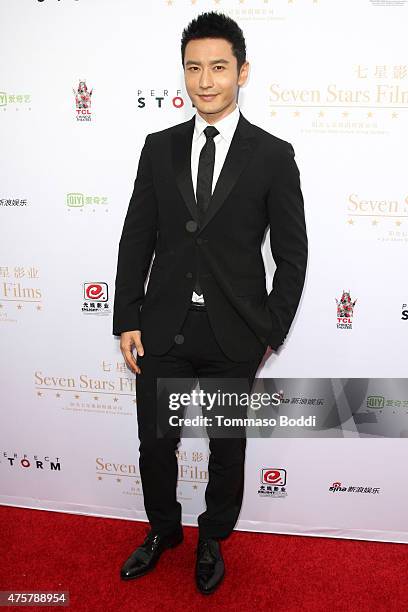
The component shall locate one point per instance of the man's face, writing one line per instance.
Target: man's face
(211, 77)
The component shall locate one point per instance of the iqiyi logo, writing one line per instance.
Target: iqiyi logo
(14, 98)
(75, 200)
(79, 200)
(375, 401)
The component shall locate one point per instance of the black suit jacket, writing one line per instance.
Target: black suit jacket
(258, 186)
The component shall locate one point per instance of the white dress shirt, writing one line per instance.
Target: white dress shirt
(226, 127)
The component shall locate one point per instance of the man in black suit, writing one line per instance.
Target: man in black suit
(205, 193)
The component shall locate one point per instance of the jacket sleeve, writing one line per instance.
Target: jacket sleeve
(289, 246)
(136, 247)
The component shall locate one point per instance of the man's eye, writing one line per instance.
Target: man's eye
(219, 66)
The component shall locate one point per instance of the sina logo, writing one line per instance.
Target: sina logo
(83, 99)
(345, 309)
(336, 487)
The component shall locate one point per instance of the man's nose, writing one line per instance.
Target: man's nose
(206, 79)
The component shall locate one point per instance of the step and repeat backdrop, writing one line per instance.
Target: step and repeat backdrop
(81, 84)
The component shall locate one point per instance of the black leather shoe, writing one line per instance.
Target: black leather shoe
(210, 567)
(145, 557)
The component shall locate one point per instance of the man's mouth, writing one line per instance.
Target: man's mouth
(207, 98)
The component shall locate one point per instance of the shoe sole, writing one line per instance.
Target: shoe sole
(172, 545)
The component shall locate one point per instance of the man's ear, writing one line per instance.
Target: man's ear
(244, 71)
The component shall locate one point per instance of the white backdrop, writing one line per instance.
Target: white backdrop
(329, 76)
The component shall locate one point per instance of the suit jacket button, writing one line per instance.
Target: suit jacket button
(179, 338)
(191, 226)
(189, 275)
(199, 241)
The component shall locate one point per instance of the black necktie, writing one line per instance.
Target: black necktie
(206, 170)
(205, 178)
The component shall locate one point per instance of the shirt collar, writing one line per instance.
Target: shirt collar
(226, 126)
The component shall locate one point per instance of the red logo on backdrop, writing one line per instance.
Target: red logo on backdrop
(83, 101)
(345, 311)
(273, 476)
(96, 292)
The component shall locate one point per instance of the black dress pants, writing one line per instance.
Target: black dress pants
(196, 356)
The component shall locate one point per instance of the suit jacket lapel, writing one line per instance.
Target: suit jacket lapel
(239, 153)
(181, 141)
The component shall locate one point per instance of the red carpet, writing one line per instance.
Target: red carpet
(42, 550)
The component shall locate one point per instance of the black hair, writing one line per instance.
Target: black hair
(216, 25)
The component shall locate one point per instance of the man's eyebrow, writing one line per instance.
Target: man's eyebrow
(217, 61)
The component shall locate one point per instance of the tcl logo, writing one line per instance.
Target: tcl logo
(96, 292)
(273, 476)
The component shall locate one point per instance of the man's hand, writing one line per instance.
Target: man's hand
(128, 340)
